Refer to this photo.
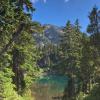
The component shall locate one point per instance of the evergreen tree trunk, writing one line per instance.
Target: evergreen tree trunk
(85, 86)
(18, 78)
(15, 68)
(69, 92)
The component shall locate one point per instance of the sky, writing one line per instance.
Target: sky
(58, 12)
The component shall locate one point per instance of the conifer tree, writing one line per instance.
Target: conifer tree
(72, 43)
(17, 47)
(94, 29)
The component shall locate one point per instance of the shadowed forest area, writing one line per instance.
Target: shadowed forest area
(36, 66)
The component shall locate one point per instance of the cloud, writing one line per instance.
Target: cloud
(34, 1)
(45, 1)
(66, 0)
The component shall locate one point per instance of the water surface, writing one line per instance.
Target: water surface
(50, 87)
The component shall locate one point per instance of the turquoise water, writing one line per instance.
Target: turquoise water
(60, 82)
(48, 87)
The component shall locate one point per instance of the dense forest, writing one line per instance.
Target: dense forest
(23, 61)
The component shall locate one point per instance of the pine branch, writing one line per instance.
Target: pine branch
(15, 36)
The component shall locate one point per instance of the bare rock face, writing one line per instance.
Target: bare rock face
(52, 34)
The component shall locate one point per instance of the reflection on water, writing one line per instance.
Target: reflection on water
(49, 87)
